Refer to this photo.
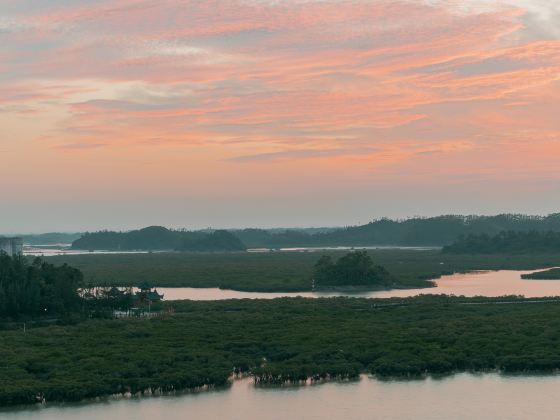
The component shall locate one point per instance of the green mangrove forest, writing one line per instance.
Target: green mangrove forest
(278, 341)
(282, 271)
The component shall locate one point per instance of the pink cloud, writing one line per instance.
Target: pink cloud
(324, 81)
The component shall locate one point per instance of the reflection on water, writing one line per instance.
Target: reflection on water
(64, 249)
(461, 396)
(486, 283)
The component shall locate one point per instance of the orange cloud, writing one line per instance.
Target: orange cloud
(391, 88)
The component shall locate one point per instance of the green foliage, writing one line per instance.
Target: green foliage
(552, 274)
(431, 231)
(506, 242)
(160, 238)
(353, 269)
(37, 288)
(277, 341)
(281, 271)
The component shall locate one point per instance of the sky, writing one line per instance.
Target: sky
(120, 114)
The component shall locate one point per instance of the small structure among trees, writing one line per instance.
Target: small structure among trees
(355, 269)
(146, 295)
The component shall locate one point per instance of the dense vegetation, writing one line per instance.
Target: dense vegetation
(353, 269)
(431, 231)
(38, 292)
(281, 271)
(552, 274)
(506, 242)
(283, 340)
(159, 238)
(37, 288)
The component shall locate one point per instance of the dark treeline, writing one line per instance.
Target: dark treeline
(160, 238)
(37, 288)
(432, 231)
(278, 341)
(506, 242)
(353, 269)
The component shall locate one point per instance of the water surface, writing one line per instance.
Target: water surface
(463, 396)
(479, 283)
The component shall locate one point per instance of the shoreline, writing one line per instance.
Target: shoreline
(299, 385)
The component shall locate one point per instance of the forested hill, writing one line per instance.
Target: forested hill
(433, 231)
(506, 242)
(159, 238)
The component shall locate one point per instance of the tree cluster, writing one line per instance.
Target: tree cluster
(37, 288)
(353, 269)
(156, 238)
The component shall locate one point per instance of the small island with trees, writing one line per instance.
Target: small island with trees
(355, 270)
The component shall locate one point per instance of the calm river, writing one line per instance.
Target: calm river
(463, 396)
(484, 283)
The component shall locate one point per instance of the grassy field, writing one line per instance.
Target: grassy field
(277, 341)
(281, 271)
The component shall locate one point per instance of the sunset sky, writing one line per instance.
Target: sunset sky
(227, 113)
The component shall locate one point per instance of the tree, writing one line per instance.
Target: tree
(353, 269)
(37, 288)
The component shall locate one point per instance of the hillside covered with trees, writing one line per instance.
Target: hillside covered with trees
(159, 238)
(506, 243)
(431, 231)
(418, 231)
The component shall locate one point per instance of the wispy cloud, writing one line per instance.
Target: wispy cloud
(340, 85)
(302, 154)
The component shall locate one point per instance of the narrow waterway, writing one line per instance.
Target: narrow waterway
(481, 283)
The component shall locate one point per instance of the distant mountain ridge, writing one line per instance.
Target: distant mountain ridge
(506, 243)
(429, 231)
(418, 231)
(157, 238)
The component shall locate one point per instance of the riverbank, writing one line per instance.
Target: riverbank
(552, 274)
(460, 397)
(281, 272)
(278, 341)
